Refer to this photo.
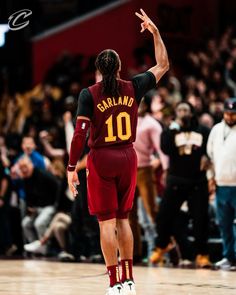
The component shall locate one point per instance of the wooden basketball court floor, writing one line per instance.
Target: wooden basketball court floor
(31, 277)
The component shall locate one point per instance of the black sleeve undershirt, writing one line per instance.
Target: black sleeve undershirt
(85, 104)
(142, 83)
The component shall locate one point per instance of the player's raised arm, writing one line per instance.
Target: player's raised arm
(161, 55)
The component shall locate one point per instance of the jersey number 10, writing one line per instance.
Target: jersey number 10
(110, 131)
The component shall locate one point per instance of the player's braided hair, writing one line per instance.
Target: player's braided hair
(108, 64)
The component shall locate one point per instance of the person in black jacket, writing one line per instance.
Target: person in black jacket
(185, 144)
(42, 192)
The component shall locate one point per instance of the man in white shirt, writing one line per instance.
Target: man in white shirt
(221, 149)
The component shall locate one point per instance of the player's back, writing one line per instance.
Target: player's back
(114, 119)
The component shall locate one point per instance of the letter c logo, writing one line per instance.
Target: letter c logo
(15, 20)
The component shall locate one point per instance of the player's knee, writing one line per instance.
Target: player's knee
(107, 226)
(122, 224)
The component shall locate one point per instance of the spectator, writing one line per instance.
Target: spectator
(206, 120)
(42, 192)
(221, 149)
(28, 147)
(58, 228)
(147, 142)
(185, 144)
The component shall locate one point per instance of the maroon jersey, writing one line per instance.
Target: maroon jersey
(111, 173)
(114, 119)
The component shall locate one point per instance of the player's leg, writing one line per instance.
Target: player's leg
(126, 189)
(126, 245)
(102, 201)
(109, 247)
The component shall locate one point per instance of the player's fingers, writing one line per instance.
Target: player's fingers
(142, 28)
(76, 182)
(75, 193)
(72, 189)
(139, 15)
(143, 12)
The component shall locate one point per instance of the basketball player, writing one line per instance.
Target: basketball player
(110, 108)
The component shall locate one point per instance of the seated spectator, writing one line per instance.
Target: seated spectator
(60, 224)
(42, 192)
(58, 228)
(29, 149)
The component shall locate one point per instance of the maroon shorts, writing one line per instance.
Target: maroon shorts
(111, 180)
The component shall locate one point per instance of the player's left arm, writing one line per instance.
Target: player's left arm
(84, 115)
(162, 62)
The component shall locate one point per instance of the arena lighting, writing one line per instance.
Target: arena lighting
(3, 30)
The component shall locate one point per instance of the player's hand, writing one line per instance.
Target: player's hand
(147, 23)
(73, 180)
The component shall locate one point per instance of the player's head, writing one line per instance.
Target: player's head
(108, 64)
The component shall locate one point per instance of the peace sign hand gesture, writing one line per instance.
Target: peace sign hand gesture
(147, 23)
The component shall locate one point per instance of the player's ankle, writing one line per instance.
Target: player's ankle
(114, 275)
(127, 270)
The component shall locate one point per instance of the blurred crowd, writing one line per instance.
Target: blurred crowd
(174, 216)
